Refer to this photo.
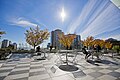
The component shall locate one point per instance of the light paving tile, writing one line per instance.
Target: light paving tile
(87, 71)
(4, 73)
(58, 72)
(97, 68)
(47, 79)
(39, 77)
(19, 69)
(23, 65)
(1, 65)
(95, 74)
(11, 77)
(63, 77)
(105, 71)
(18, 72)
(104, 66)
(106, 77)
(25, 78)
(6, 68)
(37, 73)
(79, 74)
(118, 70)
(34, 65)
(35, 70)
(8, 65)
(85, 78)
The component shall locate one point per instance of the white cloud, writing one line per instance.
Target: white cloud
(22, 22)
(112, 36)
(83, 15)
(107, 20)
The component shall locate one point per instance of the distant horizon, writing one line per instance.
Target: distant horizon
(97, 18)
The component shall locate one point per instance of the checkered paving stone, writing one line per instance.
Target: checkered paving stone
(44, 70)
(79, 74)
(19, 72)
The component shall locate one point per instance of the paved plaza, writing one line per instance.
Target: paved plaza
(33, 69)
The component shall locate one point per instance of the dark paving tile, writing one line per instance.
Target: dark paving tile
(115, 74)
(79, 74)
(19, 72)
(6, 70)
(117, 79)
(95, 74)
(36, 67)
(37, 73)
(26, 78)
(2, 77)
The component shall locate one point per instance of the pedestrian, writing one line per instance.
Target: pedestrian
(38, 50)
(87, 54)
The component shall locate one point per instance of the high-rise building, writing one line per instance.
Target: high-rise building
(77, 42)
(15, 45)
(54, 38)
(5, 43)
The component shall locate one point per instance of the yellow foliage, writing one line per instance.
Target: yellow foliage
(88, 41)
(66, 40)
(36, 36)
(108, 45)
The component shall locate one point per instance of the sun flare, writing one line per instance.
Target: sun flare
(63, 15)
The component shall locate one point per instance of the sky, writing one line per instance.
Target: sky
(97, 18)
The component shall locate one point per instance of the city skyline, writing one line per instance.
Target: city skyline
(100, 19)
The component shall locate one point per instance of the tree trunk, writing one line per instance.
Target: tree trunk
(34, 47)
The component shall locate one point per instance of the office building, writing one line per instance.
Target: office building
(15, 45)
(54, 38)
(5, 43)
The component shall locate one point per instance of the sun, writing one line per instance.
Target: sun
(63, 15)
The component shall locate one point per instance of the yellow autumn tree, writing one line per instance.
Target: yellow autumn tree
(1, 33)
(66, 40)
(99, 42)
(35, 36)
(88, 41)
(108, 45)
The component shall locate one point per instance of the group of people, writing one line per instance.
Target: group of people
(88, 54)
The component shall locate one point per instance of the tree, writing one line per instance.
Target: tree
(108, 45)
(35, 36)
(66, 40)
(88, 41)
(1, 33)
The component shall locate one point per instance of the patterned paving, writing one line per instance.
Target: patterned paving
(31, 69)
